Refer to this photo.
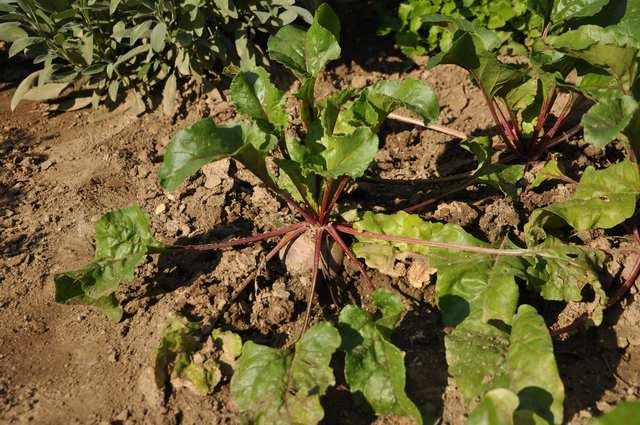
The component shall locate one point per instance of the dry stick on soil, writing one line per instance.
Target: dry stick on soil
(334, 234)
(564, 137)
(288, 238)
(435, 127)
(241, 241)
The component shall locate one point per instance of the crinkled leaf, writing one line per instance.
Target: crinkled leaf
(468, 284)
(607, 118)
(564, 271)
(550, 171)
(205, 142)
(123, 238)
(287, 47)
(374, 367)
(276, 386)
(624, 413)
(483, 358)
(254, 95)
(603, 198)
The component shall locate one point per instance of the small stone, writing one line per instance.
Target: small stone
(46, 164)
(122, 416)
(170, 196)
(160, 209)
(185, 229)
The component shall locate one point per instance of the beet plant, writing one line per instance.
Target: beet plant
(499, 350)
(534, 98)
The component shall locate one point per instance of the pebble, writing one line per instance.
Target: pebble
(160, 209)
(46, 164)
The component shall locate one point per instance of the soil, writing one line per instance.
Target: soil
(60, 172)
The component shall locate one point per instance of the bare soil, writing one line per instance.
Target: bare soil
(69, 364)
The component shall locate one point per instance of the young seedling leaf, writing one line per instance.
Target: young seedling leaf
(374, 366)
(123, 238)
(277, 386)
(205, 142)
(603, 198)
(307, 53)
(254, 95)
(502, 177)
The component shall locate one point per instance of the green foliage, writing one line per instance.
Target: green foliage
(108, 47)
(550, 171)
(417, 37)
(374, 367)
(340, 139)
(477, 284)
(603, 198)
(123, 238)
(624, 413)
(280, 386)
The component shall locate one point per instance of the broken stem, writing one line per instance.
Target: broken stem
(435, 127)
(431, 201)
(564, 137)
(242, 241)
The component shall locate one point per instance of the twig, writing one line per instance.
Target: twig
(564, 137)
(435, 127)
(431, 201)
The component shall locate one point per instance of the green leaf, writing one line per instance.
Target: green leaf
(287, 47)
(345, 155)
(123, 238)
(564, 271)
(483, 358)
(307, 53)
(175, 361)
(113, 5)
(607, 118)
(22, 43)
(374, 367)
(497, 408)
(624, 413)
(22, 89)
(45, 91)
(205, 142)
(563, 10)
(158, 37)
(377, 101)
(292, 179)
(533, 372)
(550, 171)
(502, 177)
(468, 284)
(322, 40)
(603, 198)
(277, 386)
(11, 31)
(254, 95)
